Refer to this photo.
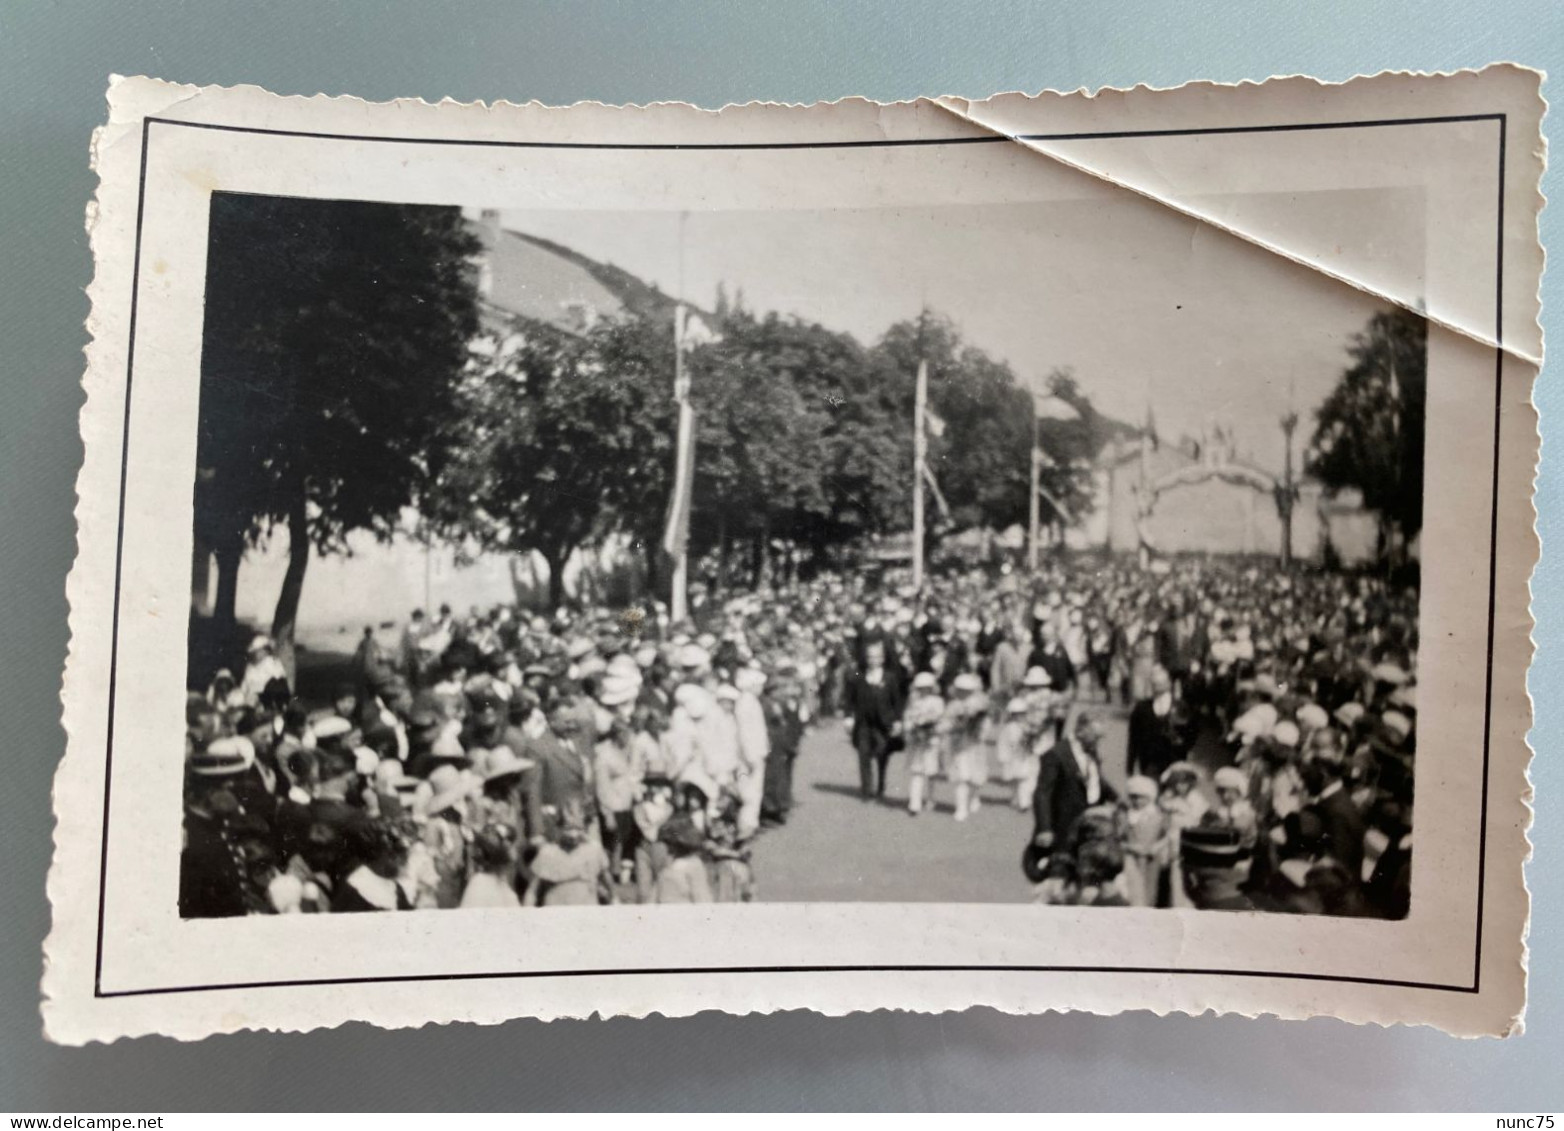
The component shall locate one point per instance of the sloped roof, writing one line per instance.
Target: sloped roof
(530, 277)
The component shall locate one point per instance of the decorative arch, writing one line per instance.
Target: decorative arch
(1147, 495)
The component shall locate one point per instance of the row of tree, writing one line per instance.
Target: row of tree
(804, 443)
(349, 373)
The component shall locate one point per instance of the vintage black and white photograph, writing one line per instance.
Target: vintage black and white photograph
(1046, 552)
(1040, 553)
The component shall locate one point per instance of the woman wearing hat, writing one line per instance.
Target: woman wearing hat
(261, 667)
(1184, 805)
(1146, 841)
(925, 738)
(966, 726)
(620, 770)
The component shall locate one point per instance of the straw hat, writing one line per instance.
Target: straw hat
(450, 787)
(1036, 677)
(223, 757)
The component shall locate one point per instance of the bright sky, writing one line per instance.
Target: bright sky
(1139, 301)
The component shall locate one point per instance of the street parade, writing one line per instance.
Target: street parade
(502, 759)
(765, 585)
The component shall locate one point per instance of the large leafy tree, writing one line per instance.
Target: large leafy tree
(1369, 431)
(560, 441)
(334, 335)
(983, 459)
(794, 445)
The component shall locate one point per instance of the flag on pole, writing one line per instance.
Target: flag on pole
(944, 507)
(689, 330)
(933, 423)
(1055, 408)
(676, 535)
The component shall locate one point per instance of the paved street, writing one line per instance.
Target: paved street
(838, 848)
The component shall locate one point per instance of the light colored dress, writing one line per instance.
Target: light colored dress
(921, 726)
(485, 889)
(967, 728)
(1145, 854)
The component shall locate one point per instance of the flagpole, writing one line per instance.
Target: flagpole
(679, 597)
(920, 449)
(679, 592)
(1034, 512)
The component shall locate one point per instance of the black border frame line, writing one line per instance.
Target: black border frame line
(881, 143)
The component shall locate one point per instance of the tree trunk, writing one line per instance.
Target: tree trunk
(722, 550)
(554, 557)
(654, 582)
(757, 560)
(228, 555)
(523, 581)
(286, 617)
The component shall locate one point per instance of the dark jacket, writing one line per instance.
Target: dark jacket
(563, 772)
(1060, 797)
(1181, 644)
(1341, 831)
(1056, 663)
(875, 710)
(1156, 743)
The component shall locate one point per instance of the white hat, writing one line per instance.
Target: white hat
(332, 726)
(694, 656)
(618, 690)
(1313, 716)
(728, 693)
(1255, 722)
(1404, 697)
(1229, 777)
(233, 754)
(500, 761)
(1020, 705)
(1397, 723)
(925, 681)
(449, 786)
(1036, 677)
(1285, 733)
(1389, 673)
(365, 761)
(1348, 714)
(752, 680)
(968, 682)
(623, 664)
(1139, 785)
(696, 700)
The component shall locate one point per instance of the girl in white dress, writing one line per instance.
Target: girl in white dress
(921, 728)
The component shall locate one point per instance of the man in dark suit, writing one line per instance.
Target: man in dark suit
(1332, 819)
(873, 710)
(1160, 730)
(564, 765)
(1182, 643)
(1069, 782)
(1049, 654)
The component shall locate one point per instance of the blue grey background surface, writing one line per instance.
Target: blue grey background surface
(55, 56)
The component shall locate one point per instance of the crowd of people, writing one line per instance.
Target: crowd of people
(504, 759)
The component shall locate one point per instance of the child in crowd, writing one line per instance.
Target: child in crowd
(1146, 847)
(1011, 749)
(1185, 806)
(571, 868)
(920, 727)
(729, 852)
(492, 883)
(683, 879)
(966, 726)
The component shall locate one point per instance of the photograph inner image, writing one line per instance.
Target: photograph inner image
(1062, 552)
